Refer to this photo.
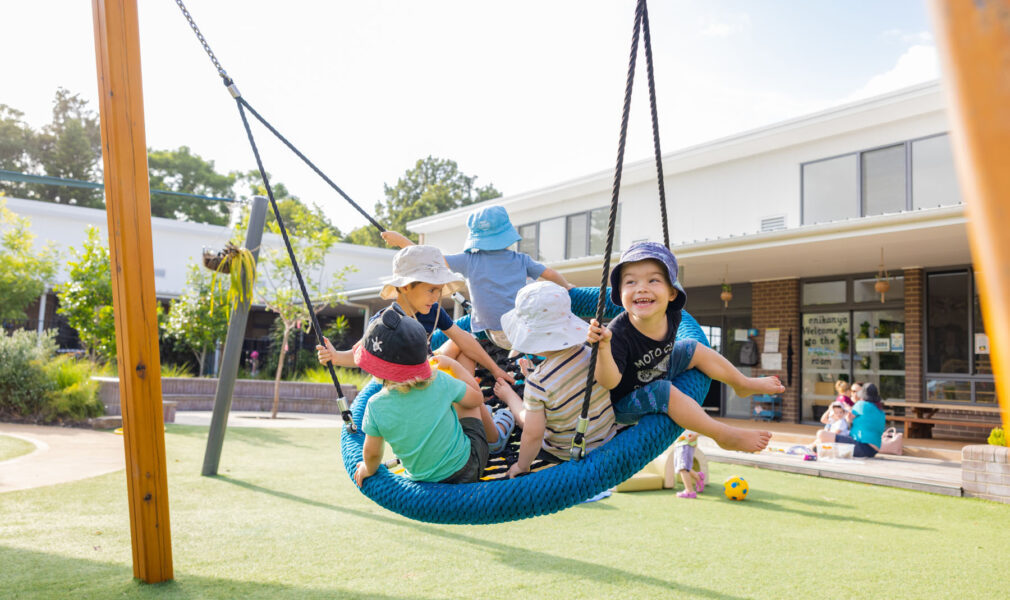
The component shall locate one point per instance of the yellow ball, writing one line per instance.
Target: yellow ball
(736, 488)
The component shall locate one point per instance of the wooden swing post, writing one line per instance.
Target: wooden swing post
(974, 41)
(128, 208)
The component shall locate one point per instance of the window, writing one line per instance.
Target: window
(577, 232)
(824, 292)
(934, 182)
(551, 240)
(947, 323)
(877, 181)
(572, 236)
(883, 180)
(863, 290)
(528, 243)
(830, 189)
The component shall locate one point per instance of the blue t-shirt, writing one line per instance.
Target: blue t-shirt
(494, 278)
(868, 423)
(421, 427)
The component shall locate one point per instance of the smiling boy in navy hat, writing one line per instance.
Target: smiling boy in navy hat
(639, 354)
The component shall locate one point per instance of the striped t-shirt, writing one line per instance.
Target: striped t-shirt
(558, 387)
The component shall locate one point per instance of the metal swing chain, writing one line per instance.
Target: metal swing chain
(578, 449)
(203, 41)
(342, 403)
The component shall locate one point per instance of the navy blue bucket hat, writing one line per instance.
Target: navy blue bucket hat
(644, 251)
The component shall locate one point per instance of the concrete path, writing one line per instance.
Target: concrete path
(239, 418)
(61, 454)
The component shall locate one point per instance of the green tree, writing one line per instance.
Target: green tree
(16, 139)
(432, 186)
(277, 287)
(25, 274)
(70, 147)
(292, 209)
(86, 297)
(182, 171)
(190, 322)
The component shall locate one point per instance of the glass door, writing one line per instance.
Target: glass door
(826, 358)
(879, 351)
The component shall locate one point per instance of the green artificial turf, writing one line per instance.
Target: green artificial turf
(12, 447)
(284, 521)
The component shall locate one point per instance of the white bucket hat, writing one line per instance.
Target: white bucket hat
(542, 320)
(421, 263)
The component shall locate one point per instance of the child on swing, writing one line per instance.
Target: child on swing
(639, 355)
(431, 420)
(419, 280)
(494, 273)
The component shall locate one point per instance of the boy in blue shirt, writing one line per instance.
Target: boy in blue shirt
(493, 273)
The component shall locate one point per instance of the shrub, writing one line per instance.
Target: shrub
(320, 374)
(75, 394)
(23, 383)
(997, 437)
(175, 370)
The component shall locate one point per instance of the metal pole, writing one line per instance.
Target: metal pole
(233, 349)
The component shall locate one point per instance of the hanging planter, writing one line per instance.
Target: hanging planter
(240, 265)
(726, 295)
(882, 286)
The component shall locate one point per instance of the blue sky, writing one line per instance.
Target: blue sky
(523, 94)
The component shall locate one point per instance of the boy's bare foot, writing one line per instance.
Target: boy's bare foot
(759, 385)
(744, 440)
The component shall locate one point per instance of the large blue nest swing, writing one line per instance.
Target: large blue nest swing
(542, 492)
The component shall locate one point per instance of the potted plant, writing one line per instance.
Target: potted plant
(240, 265)
(726, 295)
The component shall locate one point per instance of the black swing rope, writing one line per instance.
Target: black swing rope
(578, 449)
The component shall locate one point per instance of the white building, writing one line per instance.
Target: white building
(178, 244)
(795, 217)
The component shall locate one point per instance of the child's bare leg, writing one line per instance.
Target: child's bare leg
(715, 365)
(688, 478)
(688, 414)
(484, 414)
(506, 394)
(453, 351)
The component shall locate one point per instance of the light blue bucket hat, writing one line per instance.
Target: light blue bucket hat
(490, 229)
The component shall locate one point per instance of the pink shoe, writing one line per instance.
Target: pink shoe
(687, 494)
(701, 482)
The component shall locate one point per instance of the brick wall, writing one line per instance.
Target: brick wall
(985, 472)
(915, 297)
(777, 304)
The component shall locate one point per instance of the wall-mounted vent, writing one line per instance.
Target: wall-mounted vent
(773, 223)
(159, 272)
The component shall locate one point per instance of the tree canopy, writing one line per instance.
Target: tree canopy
(25, 273)
(182, 171)
(86, 297)
(431, 186)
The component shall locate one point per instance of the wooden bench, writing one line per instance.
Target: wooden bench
(919, 424)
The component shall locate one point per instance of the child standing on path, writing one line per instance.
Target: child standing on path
(542, 323)
(683, 462)
(431, 420)
(493, 273)
(639, 355)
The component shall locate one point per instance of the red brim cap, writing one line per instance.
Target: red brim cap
(383, 369)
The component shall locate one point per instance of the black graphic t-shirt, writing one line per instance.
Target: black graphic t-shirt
(639, 358)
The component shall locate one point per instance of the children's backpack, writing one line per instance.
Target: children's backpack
(749, 353)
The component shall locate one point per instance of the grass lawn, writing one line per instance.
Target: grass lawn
(284, 521)
(12, 447)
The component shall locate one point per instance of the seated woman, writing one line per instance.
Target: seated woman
(866, 425)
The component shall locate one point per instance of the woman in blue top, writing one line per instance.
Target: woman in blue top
(866, 425)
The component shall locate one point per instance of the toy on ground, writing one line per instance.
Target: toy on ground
(660, 474)
(736, 488)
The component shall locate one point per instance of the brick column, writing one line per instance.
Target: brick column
(915, 298)
(777, 304)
